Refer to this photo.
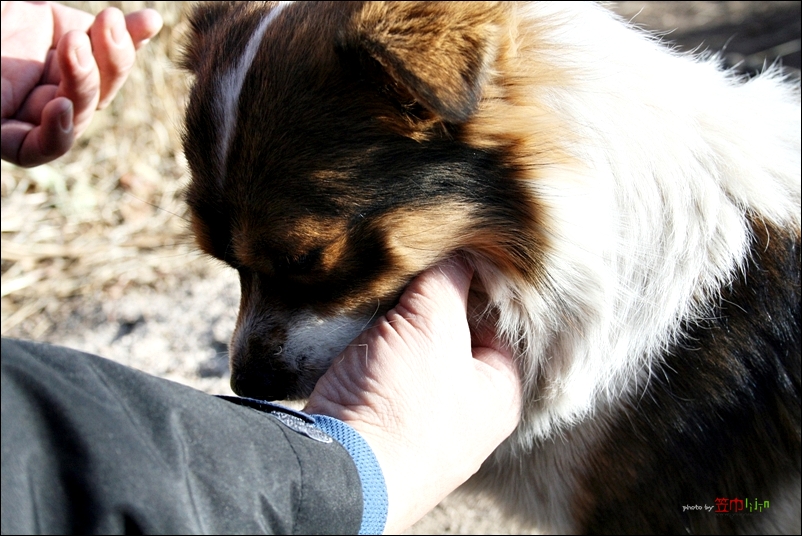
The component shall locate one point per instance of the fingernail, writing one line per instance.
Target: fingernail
(117, 35)
(118, 32)
(65, 119)
(83, 55)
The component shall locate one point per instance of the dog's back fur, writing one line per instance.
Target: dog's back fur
(633, 215)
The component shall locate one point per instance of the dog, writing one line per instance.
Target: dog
(632, 215)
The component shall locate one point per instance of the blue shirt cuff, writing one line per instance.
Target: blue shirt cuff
(374, 489)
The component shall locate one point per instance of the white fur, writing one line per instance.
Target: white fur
(651, 219)
(312, 341)
(230, 84)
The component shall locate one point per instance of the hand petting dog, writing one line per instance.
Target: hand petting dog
(416, 380)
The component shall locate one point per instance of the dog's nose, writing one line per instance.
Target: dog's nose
(261, 380)
(263, 383)
(256, 369)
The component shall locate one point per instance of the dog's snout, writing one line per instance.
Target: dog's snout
(256, 367)
(264, 383)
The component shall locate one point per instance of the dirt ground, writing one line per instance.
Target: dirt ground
(96, 253)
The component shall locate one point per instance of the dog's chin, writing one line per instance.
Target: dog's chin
(281, 355)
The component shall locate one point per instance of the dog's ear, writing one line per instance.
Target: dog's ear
(441, 53)
(203, 19)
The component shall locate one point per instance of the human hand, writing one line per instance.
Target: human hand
(431, 404)
(59, 66)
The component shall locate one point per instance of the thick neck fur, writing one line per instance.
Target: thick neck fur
(666, 161)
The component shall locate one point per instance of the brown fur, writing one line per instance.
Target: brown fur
(371, 140)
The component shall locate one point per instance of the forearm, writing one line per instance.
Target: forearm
(90, 446)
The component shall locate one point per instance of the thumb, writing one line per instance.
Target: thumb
(441, 288)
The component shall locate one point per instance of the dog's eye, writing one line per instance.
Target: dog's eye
(298, 264)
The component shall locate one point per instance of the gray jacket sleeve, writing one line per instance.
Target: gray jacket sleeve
(90, 446)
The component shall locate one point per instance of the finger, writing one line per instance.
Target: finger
(12, 134)
(113, 50)
(30, 111)
(80, 78)
(52, 71)
(440, 286)
(456, 274)
(143, 25)
(497, 362)
(27, 145)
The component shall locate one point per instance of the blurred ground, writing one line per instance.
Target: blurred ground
(96, 253)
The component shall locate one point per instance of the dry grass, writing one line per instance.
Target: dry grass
(109, 214)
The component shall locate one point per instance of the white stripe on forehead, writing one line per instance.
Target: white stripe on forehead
(230, 87)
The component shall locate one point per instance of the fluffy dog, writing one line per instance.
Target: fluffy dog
(633, 215)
